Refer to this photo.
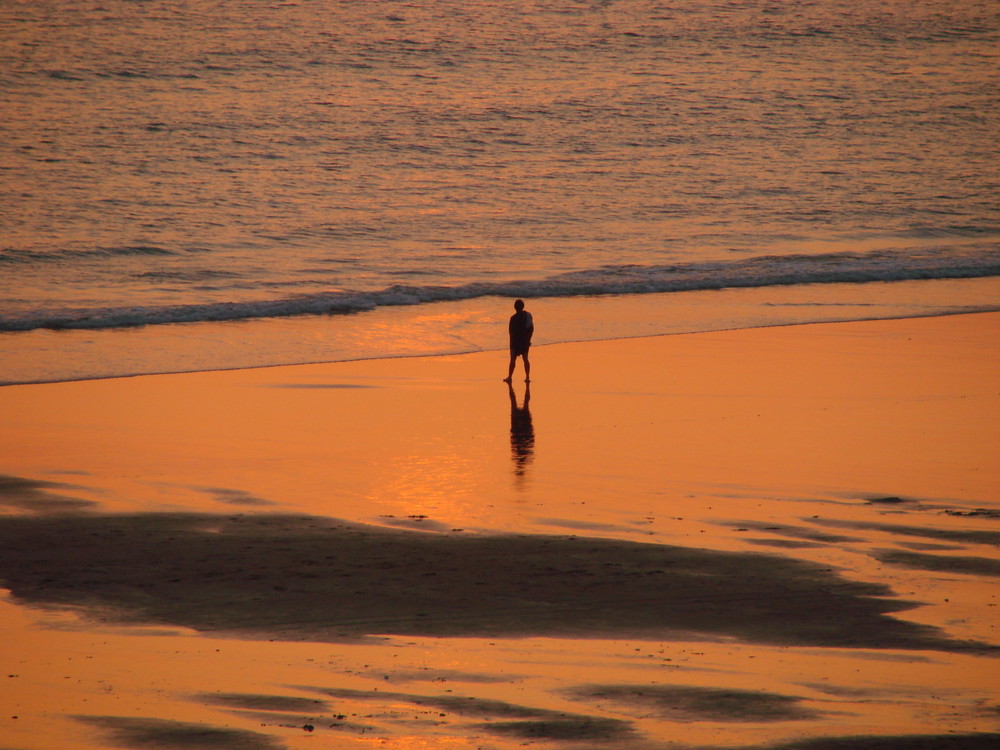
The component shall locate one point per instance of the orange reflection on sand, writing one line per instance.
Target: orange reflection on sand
(855, 455)
(425, 486)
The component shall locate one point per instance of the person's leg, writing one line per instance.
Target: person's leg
(527, 367)
(510, 370)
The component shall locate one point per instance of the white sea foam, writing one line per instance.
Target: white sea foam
(761, 271)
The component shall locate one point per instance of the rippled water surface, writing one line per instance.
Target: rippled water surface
(163, 155)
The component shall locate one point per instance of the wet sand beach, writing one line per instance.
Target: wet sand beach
(767, 538)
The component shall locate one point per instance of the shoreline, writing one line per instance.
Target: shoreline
(743, 539)
(464, 327)
(378, 358)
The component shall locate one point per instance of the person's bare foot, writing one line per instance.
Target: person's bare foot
(507, 380)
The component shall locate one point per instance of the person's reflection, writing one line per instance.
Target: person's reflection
(522, 433)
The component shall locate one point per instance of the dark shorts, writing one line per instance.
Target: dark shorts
(518, 349)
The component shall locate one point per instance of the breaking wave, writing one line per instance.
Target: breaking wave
(762, 271)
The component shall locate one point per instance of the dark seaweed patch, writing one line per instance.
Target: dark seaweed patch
(34, 495)
(685, 703)
(581, 728)
(955, 535)
(985, 741)
(160, 734)
(255, 702)
(519, 721)
(981, 566)
(309, 578)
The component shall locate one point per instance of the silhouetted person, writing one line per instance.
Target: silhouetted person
(522, 434)
(520, 328)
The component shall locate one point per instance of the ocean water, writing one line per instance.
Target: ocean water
(226, 183)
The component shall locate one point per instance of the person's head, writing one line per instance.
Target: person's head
(519, 305)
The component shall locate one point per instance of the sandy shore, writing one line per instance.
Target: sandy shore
(770, 538)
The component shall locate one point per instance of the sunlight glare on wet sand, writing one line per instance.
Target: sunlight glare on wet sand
(664, 481)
